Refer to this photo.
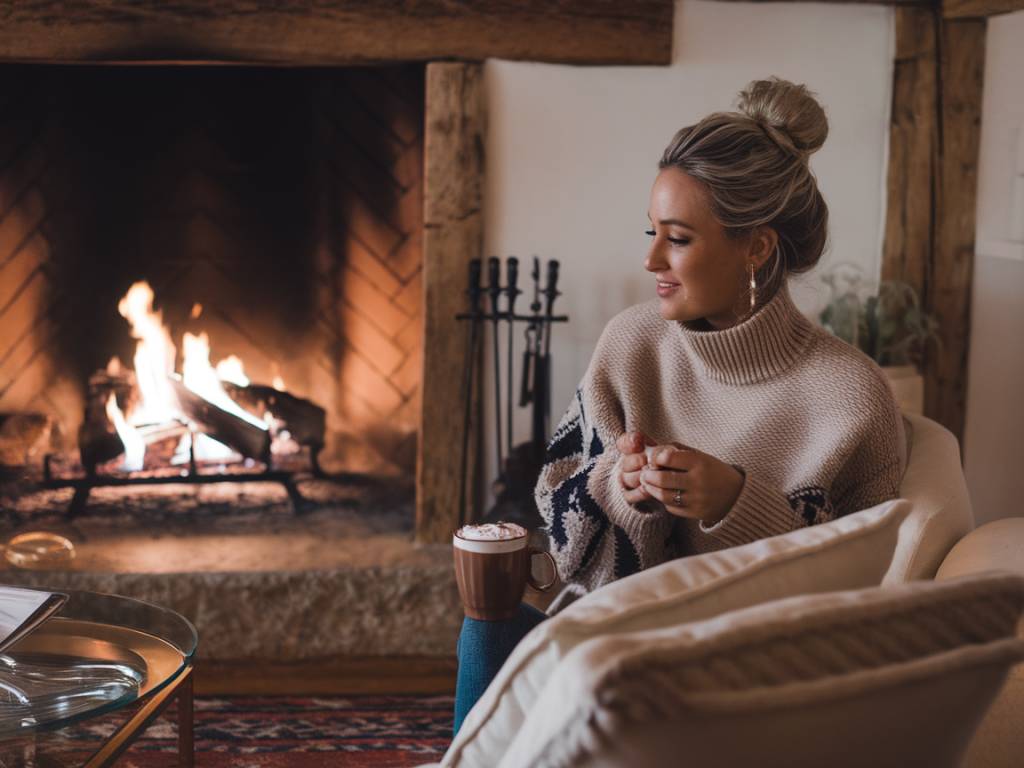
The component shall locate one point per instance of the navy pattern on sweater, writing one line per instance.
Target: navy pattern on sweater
(577, 444)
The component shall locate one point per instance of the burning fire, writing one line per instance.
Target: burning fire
(134, 445)
(155, 356)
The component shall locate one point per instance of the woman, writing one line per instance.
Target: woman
(758, 421)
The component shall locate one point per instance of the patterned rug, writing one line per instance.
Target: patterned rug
(281, 732)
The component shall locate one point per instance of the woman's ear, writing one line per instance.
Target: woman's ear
(763, 241)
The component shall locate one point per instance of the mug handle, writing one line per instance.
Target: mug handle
(554, 571)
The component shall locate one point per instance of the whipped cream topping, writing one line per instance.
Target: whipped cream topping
(492, 532)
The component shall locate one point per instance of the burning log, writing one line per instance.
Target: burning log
(235, 432)
(115, 379)
(23, 437)
(306, 421)
(155, 433)
(98, 441)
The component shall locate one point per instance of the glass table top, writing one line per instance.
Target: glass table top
(99, 653)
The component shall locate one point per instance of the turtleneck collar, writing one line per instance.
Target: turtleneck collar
(758, 348)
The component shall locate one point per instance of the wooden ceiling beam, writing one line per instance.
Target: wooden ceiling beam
(336, 32)
(977, 9)
(897, 3)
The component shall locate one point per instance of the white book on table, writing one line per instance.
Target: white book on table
(22, 610)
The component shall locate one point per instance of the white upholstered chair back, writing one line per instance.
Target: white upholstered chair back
(934, 484)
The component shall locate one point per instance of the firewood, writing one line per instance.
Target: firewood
(305, 421)
(154, 433)
(122, 384)
(24, 437)
(235, 432)
(98, 441)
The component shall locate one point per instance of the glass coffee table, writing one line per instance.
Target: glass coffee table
(99, 654)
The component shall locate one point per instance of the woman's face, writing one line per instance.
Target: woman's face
(700, 273)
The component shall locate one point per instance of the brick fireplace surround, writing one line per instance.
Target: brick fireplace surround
(386, 589)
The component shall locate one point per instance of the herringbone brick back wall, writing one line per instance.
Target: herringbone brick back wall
(280, 211)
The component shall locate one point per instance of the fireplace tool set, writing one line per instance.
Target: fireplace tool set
(518, 465)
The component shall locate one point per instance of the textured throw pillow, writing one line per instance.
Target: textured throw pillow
(851, 552)
(884, 676)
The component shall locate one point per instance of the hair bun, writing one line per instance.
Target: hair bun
(783, 107)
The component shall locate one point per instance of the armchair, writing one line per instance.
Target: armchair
(927, 538)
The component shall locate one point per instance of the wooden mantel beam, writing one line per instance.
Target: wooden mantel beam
(966, 9)
(335, 32)
(897, 3)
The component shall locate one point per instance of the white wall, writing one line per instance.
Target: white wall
(994, 435)
(572, 151)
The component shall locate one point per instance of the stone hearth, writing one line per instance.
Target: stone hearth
(259, 580)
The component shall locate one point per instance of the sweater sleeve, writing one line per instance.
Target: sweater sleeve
(596, 535)
(760, 511)
(870, 475)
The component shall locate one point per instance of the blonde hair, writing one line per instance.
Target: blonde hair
(754, 165)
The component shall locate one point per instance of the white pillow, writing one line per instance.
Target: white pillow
(884, 676)
(851, 552)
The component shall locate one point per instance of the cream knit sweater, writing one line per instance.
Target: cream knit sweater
(808, 419)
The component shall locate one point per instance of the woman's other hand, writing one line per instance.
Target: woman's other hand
(632, 446)
(691, 483)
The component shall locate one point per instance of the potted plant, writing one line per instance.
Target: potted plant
(887, 323)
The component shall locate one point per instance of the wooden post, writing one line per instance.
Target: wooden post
(961, 77)
(932, 186)
(453, 234)
(913, 151)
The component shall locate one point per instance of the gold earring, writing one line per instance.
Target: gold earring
(753, 288)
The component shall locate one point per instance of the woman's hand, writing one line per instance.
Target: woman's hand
(632, 446)
(691, 483)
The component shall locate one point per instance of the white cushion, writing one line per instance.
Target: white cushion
(851, 552)
(935, 486)
(884, 676)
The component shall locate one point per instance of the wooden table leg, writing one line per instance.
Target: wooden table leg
(186, 744)
(137, 723)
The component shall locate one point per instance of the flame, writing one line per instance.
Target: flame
(154, 356)
(232, 369)
(154, 360)
(201, 377)
(134, 446)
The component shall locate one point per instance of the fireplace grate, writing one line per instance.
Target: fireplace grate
(193, 475)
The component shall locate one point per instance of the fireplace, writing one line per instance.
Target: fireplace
(269, 221)
(276, 214)
(273, 218)
(277, 261)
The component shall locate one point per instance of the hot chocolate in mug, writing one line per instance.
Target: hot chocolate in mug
(492, 569)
